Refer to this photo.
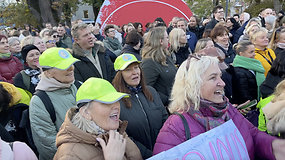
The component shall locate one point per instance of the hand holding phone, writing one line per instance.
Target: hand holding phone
(248, 105)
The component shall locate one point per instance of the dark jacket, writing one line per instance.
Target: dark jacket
(278, 51)
(239, 32)
(159, 76)
(244, 85)
(19, 81)
(85, 69)
(211, 24)
(192, 40)
(130, 49)
(145, 118)
(198, 30)
(9, 68)
(227, 78)
(229, 55)
(182, 54)
(268, 86)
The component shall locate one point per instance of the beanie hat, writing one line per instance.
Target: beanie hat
(26, 49)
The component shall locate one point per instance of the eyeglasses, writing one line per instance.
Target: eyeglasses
(55, 36)
(51, 41)
(111, 30)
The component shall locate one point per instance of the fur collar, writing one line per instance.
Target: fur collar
(78, 51)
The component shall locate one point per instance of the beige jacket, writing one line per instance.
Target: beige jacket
(75, 144)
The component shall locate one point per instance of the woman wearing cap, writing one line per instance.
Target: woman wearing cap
(143, 110)
(93, 131)
(248, 74)
(9, 65)
(28, 78)
(57, 82)
(198, 95)
(157, 65)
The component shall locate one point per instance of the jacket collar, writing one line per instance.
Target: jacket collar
(78, 51)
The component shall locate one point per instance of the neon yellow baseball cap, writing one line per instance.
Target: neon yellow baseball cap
(99, 90)
(124, 60)
(58, 58)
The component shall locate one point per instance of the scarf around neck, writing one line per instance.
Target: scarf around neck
(210, 114)
(51, 84)
(5, 55)
(251, 64)
(225, 47)
(114, 43)
(280, 45)
(34, 74)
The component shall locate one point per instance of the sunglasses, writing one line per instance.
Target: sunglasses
(55, 36)
(51, 41)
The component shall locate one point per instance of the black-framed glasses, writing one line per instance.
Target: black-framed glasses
(55, 36)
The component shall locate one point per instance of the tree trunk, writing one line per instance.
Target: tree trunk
(95, 11)
(46, 13)
(277, 5)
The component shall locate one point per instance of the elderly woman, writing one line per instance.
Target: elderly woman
(57, 83)
(265, 55)
(35, 40)
(93, 131)
(28, 78)
(178, 45)
(248, 32)
(198, 95)
(143, 110)
(220, 36)
(15, 47)
(157, 64)
(9, 65)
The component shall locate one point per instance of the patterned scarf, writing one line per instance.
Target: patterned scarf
(210, 114)
(135, 90)
(5, 55)
(34, 74)
(114, 43)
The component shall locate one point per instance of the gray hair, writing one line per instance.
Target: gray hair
(12, 40)
(76, 27)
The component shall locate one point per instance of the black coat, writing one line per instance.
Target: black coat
(244, 85)
(278, 50)
(130, 49)
(268, 86)
(198, 30)
(145, 118)
(85, 69)
(182, 54)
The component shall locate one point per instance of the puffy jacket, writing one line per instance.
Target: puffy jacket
(244, 85)
(172, 133)
(266, 57)
(43, 129)
(75, 144)
(85, 69)
(159, 76)
(9, 68)
(145, 118)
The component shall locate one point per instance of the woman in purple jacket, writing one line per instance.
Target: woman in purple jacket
(198, 94)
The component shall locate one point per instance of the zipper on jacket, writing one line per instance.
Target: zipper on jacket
(142, 107)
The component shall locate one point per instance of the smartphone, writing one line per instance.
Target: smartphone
(250, 104)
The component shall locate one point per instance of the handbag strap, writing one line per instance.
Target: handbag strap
(185, 124)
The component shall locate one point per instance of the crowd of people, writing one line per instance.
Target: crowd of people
(119, 92)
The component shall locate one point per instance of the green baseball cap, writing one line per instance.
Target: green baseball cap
(58, 58)
(124, 60)
(99, 90)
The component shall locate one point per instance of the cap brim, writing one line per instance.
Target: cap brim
(127, 64)
(111, 97)
(66, 63)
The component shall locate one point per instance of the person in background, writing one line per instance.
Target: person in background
(178, 46)
(111, 42)
(9, 64)
(157, 65)
(57, 81)
(262, 53)
(275, 75)
(204, 43)
(218, 16)
(48, 25)
(270, 22)
(220, 36)
(277, 42)
(94, 60)
(97, 33)
(232, 26)
(143, 110)
(194, 26)
(248, 32)
(264, 13)
(237, 18)
(35, 40)
(244, 18)
(15, 47)
(49, 41)
(64, 37)
(172, 24)
(133, 44)
(248, 74)
(198, 95)
(44, 33)
(93, 130)
(138, 26)
(191, 37)
(28, 78)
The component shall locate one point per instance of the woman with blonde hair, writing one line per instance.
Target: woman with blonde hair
(198, 96)
(157, 65)
(277, 42)
(248, 32)
(178, 45)
(265, 55)
(204, 43)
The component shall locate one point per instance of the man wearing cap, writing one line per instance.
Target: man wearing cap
(57, 82)
(94, 62)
